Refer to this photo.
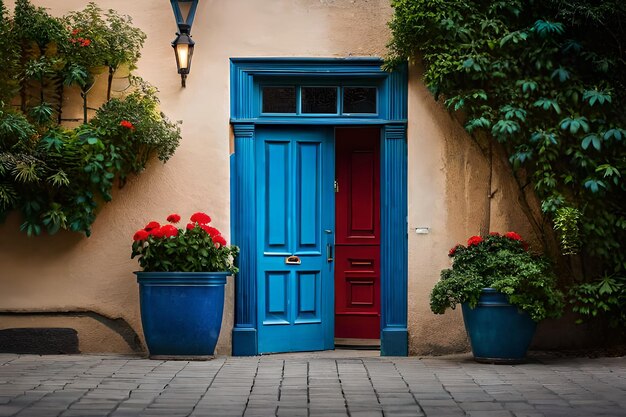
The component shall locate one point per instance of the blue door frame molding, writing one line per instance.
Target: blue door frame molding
(246, 75)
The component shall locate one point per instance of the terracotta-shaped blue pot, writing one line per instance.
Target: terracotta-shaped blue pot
(181, 312)
(498, 331)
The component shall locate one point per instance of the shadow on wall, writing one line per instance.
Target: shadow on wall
(49, 332)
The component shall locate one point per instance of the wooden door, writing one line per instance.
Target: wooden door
(357, 217)
(294, 188)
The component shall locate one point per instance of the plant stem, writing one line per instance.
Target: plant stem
(110, 81)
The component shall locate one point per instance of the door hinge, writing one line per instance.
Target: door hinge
(336, 186)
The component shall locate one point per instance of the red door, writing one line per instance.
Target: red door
(357, 240)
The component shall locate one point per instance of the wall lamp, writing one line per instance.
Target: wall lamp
(183, 44)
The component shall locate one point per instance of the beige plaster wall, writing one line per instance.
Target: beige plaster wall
(447, 191)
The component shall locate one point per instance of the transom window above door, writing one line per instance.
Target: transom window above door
(328, 100)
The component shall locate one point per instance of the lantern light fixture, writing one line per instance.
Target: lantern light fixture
(183, 44)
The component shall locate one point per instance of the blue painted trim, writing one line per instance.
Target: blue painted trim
(394, 245)
(245, 341)
(394, 342)
(246, 74)
(307, 120)
(245, 103)
(244, 221)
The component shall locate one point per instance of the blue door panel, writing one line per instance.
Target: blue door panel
(276, 310)
(295, 199)
(278, 175)
(308, 297)
(309, 177)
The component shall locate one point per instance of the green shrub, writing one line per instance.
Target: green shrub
(504, 263)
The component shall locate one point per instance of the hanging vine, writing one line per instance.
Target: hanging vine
(57, 177)
(546, 82)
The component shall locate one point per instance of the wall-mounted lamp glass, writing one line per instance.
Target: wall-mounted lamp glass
(183, 44)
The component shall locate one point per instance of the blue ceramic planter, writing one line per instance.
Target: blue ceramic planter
(181, 312)
(499, 332)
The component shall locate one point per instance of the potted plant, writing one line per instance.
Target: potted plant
(181, 287)
(504, 290)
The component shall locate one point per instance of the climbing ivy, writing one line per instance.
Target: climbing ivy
(55, 176)
(544, 81)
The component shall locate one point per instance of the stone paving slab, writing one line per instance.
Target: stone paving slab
(326, 384)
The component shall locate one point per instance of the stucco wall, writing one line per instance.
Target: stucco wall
(447, 174)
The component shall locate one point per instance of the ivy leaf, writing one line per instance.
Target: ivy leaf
(575, 124)
(510, 112)
(519, 157)
(480, 122)
(561, 73)
(593, 96)
(591, 139)
(527, 86)
(505, 128)
(615, 133)
(544, 28)
(608, 170)
(515, 37)
(594, 185)
(572, 45)
(546, 104)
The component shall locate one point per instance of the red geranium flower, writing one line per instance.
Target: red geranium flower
(190, 226)
(75, 31)
(168, 230)
(127, 124)
(513, 235)
(140, 235)
(158, 233)
(151, 226)
(474, 240)
(212, 231)
(173, 218)
(219, 241)
(453, 250)
(85, 42)
(201, 218)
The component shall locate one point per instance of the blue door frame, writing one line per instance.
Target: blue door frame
(246, 77)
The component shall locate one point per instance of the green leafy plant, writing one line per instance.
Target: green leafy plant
(566, 221)
(145, 131)
(58, 177)
(603, 298)
(197, 248)
(504, 263)
(543, 85)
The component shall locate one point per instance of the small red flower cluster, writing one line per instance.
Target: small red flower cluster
(127, 124)
(173, 218)
(197, 219)
(82, 42)
(513, 235)
(476, 240)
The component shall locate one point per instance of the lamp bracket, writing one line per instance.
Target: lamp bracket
(184, 24)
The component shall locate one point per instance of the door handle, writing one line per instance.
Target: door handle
(292, 260)
(329, 252)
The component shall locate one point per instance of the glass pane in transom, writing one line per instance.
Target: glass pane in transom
(359, 100)
(279, 100)
(319, 100)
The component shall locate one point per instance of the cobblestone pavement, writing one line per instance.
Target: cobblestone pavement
(344, 384)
